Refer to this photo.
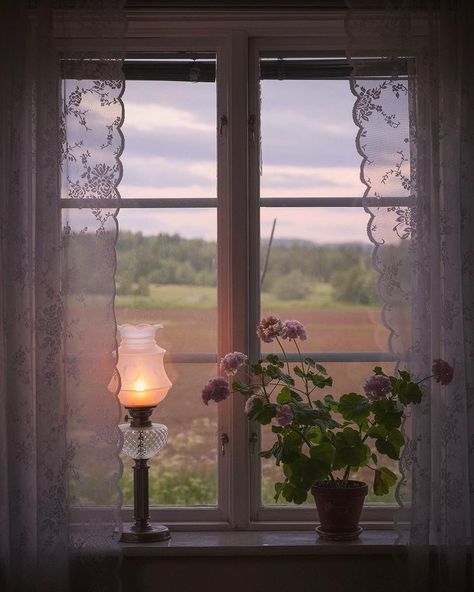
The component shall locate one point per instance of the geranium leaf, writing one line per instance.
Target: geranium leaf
(384, 479)
(354, 407)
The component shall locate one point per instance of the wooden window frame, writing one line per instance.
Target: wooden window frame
(238, 41)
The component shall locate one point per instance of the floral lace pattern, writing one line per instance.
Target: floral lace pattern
(91, 170)
(416, 140)
(59, 450)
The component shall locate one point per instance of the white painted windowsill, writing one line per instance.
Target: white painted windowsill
(245, 543)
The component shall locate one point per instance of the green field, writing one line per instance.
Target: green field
(320, 296)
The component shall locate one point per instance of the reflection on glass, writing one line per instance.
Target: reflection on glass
(170, 139)
(348, 377)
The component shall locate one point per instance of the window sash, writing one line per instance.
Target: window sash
(238, 55)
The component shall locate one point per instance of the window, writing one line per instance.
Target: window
(241, 196)
(167, 256)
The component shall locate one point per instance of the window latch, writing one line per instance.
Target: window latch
(253, 441)
(222, 122)
(224, 441)
(252, 126)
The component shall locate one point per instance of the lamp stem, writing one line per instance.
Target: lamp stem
(141, 509)
(141, 531)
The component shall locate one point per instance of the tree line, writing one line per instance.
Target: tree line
(294, 266)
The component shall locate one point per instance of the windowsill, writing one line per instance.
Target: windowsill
(243, 543)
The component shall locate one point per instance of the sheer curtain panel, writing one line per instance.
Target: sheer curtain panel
(421, 158)
(59, 441)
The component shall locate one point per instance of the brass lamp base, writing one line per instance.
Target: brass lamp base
(152, 534)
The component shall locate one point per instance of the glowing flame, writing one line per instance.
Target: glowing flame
(140, 385)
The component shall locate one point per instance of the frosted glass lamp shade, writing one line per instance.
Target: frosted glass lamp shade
(144, 382)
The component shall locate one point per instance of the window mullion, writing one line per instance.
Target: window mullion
(254, 263)
(233, 265)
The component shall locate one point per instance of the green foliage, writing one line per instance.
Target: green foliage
(384, 479)
(125, 286)
(262, 413)
(354, 407)
(323, 456)
(388, 413)
(350, 450)
(172, 486)
(297, 271)
(356, 285)
(293, 286)
(408, 392)
(314, 443)
(311, 442)
(165, 259)
(391, 443)
(143, 288)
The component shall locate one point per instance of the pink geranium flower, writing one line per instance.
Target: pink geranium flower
(284, 415)
(216, 389)
(230, 363)
(442, 371)
(269, 328)
(293, 330)
(377, 387)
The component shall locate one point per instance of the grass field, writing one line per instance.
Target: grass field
(185, 472)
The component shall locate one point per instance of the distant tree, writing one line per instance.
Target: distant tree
(294, 266)
(143, 287)
(293, 286)
(124, 286)
(355, 285)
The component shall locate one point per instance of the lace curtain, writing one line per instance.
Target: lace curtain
(59, 444)
(416, 139)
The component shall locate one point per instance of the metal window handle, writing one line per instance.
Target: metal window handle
(222, 122)
(224, 441)
(252, 127)
(253, 441)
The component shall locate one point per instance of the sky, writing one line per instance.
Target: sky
(308, 149)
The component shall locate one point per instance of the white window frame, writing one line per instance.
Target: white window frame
(237, 40)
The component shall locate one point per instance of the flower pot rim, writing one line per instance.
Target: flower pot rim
(354, 485)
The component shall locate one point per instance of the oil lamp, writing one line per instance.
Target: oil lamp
(144, 384)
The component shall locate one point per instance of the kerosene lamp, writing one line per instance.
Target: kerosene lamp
(144, 384)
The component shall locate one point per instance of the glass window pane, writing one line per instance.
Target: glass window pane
(319, 270)
(308, 139)
(170, 139)
(184, 473)
(166, 273)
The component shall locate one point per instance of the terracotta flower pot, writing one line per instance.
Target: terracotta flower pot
(339, 509)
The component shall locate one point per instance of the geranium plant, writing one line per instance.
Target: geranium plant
(318, 438)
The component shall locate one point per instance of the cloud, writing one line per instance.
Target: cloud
(301, 181)
(175, 191)
(189, 223)
(158, 176)
(308, 149)
(321, 225)
(147, 117)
